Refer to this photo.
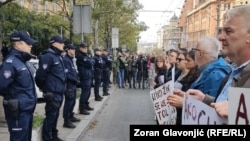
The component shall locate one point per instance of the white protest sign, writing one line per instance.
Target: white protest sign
(165, 113)
(239, 106)
(195, 112)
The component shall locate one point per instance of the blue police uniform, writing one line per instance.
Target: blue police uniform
(98, 67)
(85, 67)
(51, 79)
(107, 64)
(70, 93)
(18, 90)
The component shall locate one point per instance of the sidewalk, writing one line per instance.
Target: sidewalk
(67, 134)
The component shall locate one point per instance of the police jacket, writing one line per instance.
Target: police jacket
(71, 73)
(17, 81)
(107, 62)
(98, 66)
(84, 65)
(50, 76)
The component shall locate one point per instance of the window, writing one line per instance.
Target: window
(45, 7)
(21, 2)
(54, 6)
(35, 5)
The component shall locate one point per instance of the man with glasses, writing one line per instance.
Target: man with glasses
(235, 39)
(213, 69)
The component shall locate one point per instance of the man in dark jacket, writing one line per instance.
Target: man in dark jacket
(51, 79)
(70, 93)
(98, 67)
(85, 67)
(18, 87)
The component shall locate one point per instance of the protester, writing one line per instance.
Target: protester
(235, 40)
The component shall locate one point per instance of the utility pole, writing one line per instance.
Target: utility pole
(218, 18)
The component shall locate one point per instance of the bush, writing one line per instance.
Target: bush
(37, 121)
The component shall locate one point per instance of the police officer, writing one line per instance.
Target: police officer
(107, 66)
(18, 87)
(85, 69)
(51, 79)
(70, 93)
(98, 67)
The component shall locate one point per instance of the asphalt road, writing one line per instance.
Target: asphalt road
(124, 107)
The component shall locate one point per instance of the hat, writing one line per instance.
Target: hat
(97, 49)
(56, 39)
(83, 45)
(70, 46)
(22, 36)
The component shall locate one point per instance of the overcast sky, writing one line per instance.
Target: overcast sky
(155, 20)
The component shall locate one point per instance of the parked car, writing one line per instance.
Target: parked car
(33, 63)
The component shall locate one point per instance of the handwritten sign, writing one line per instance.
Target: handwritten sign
(195, 112)
(239, 106)
(165, 113)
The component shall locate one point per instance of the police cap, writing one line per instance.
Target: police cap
(22, 36)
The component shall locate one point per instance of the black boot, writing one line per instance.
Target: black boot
(74, 119)
(98, 99)
(57, 139)
(89, 108)
(68, 124)
(83, 111)
(105, 93)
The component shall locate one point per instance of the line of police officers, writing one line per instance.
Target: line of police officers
(56, 77)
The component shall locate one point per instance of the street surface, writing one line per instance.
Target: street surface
(124, 107)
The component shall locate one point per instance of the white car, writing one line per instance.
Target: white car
(34, 66)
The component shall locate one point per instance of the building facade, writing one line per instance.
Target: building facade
(203, 18)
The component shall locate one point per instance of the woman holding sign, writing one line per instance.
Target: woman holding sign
(190, 72)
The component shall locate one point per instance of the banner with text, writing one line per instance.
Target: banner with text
(195, 112)
(165, 113)
(239, 106)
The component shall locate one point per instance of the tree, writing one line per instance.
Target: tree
(2, 3)
(40, 26)
(118, 14)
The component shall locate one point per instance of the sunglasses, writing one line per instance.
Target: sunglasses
(180, 59)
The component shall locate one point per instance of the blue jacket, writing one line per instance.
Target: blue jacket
(71, 73)
(17, 81)
(84, 65)
(211, 77)
(50, 76)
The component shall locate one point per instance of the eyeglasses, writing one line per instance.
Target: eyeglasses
(180, 59)
(195, 49)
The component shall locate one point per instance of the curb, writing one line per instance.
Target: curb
(78, 133)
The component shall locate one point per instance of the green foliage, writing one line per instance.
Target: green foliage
(120, 15)
(37, 121)
(109, 13)
(40, 26)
